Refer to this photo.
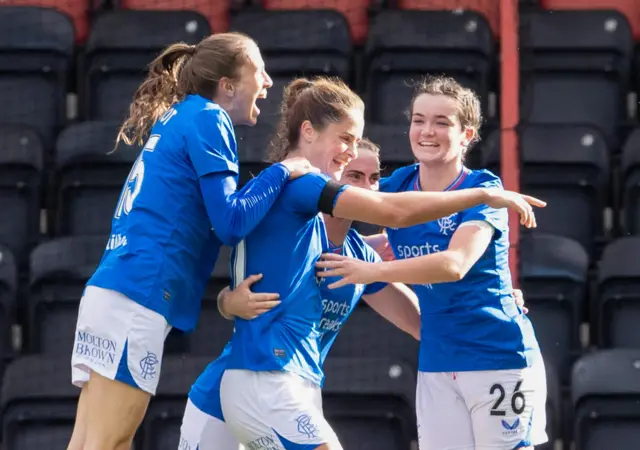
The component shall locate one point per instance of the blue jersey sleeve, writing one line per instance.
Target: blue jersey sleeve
(211, 143)
(234, 215)
(498, 218)
(303, 194)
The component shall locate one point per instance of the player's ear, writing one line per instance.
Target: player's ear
(226, 87)
(467, 136)
(307, 132)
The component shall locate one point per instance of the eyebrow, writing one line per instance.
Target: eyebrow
(438, 116)
(353, 171)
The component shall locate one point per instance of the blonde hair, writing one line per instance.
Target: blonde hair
(182, 69)
(320, 101)
(469, 109)
(366, 144)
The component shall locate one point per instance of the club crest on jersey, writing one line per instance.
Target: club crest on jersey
(447, 224)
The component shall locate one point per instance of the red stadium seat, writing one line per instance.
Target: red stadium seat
(356, 12)
(630, 8)
(77, 10)
(216, 11)
(489, 8)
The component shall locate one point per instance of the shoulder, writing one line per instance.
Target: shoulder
(399, 179)
(483, 178)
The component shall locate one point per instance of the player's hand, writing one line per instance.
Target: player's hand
(243, 303)
(298, 166)
(522, 204)
(352, 271)
(380, 243)
(519, 298)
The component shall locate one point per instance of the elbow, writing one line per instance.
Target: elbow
(454, 269)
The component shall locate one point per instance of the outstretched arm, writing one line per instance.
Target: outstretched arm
(404, 209)
(399, 305)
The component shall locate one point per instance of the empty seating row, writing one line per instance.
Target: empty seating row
(555, 282)
(369, 401)
(564, 56)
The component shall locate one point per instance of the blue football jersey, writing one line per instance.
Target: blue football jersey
(337, 305)
(472, 324)
(162, 249)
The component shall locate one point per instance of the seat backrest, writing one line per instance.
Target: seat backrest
(356, 12)
(88, 178)
(8, 290)
(404, 46)
(630, 8)
(554, 271)
(630, 186)
(605, 394)
(38, 403)
(618, 301)
(22, 30)
(216, 12)
(253, 143)
(488, 8)
(299, 41)
(361, 392)
(393, 140)
(59, 271)
(76, 10)
(21, 171)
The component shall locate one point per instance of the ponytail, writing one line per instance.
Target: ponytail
(280, 145)
(158, 92)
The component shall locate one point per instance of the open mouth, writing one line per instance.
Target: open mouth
(428, 144)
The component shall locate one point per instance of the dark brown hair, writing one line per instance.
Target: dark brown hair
(182, 69)
(320, 101)
(366, 144)
(469, 110)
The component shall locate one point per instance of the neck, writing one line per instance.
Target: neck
(439, 177)
(337, 229)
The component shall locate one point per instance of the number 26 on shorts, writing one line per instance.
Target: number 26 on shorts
(518, 402)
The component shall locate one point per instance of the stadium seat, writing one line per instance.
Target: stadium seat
(21, 173)
(606, 400)
(554, 275)
(355, 11)
(77, 10)
(88, 178)
(367, 334)
(370, 402)
(403, 46)
(618, 296)
(630, 184)
(161, 427)
(216, 12)
(120, 47)
(59, 271)
(34, 64)
(489, 9)
(213, 331)
(554, 408)
(393, 140)
(38, 403)
(8, 292)
(575, 69)
(630, 8)
(253, 143)
(296, 43)
(567, 166)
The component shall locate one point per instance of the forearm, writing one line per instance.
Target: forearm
(399, 305)
(442, 267)
(413, 208)
(235, 214)
(222, 300)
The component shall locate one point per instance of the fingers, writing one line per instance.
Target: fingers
(534, 201)
(333, 257)
(263, 307)
(251, 279)
(263, 297)
(329, 264)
